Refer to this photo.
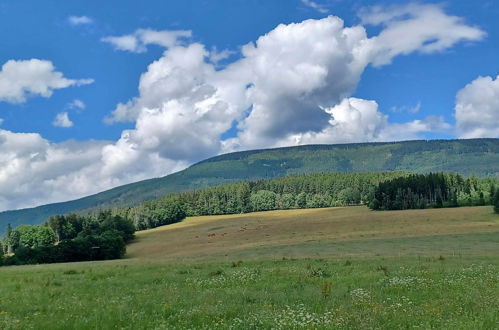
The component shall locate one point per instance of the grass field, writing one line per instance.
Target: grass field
(301, 269)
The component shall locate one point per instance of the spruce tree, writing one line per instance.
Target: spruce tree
(496, 201)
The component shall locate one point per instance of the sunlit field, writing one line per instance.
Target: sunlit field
(301, 269)
(322, 233)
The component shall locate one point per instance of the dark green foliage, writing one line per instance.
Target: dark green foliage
(164, 211)
(495, 201)
(434, 190)
(108, 245)
(105, 221)
(98, 237)
(66, 226)
(479, 156)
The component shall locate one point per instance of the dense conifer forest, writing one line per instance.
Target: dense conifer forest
(420, 191)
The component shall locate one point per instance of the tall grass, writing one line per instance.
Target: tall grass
(461, 293)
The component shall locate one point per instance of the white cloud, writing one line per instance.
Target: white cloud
(296, 71)
(62, 120)
(138, 41)
(314, 5)
(184, 105)
(477, 109)
(292, 86)
(22, 79)
(79, 20)
(129, 43)
(357, 120)
(217, 56)
(76, 104)
(413, 129)
(423, 28)
(34, 171)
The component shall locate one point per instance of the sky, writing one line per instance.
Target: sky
(96, 94)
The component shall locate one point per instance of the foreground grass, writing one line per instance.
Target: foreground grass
(459, 293)
(346, 269)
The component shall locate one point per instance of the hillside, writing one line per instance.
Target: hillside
(336, 268)
(330, 233)
(478, 156)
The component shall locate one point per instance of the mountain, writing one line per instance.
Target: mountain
(474, 156)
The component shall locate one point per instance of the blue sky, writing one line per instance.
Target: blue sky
(395, 91)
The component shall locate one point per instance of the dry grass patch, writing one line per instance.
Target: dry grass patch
(219, 235)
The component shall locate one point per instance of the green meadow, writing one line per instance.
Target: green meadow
(336, 268)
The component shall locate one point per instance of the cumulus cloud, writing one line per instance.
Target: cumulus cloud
(316, 6)
(80, 20)
(22, 79)
(423, 28)
(184, 104)
(138, 41)
(35, 171)
(62, 120)
(477, 109)
(291, 86)
(296, 71)
(358, 120)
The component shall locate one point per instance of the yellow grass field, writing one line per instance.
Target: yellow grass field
(330, 232)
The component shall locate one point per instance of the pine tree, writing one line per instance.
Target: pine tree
(496, 201)
(492, 192)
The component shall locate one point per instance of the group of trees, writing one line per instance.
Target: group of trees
(66, 238)
(434, 190)
(164, 211)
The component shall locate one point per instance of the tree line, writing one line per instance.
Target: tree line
(433, 190)
(294, 192)
(378, 190)
(66, 238)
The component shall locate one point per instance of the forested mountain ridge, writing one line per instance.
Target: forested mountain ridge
(477, 156)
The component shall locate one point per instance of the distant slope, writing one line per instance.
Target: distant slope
(478, 156)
